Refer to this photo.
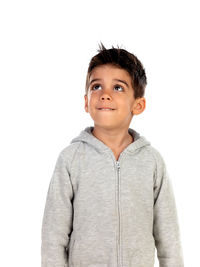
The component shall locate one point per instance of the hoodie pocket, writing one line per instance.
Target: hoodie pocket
(82, 253)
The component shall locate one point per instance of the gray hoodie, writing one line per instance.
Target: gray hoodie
(103, 212)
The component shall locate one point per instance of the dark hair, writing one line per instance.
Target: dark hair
(122, 59)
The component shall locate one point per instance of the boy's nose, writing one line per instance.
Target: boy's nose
(105, 95)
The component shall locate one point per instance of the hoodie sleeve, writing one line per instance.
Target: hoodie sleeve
(57, 218)
(166, 226)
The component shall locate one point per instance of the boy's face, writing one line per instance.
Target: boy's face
(110, 87)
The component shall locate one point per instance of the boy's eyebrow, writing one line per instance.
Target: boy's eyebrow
(122, 81)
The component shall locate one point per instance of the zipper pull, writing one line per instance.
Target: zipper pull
(117, 164)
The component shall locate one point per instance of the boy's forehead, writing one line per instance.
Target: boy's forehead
(108, 70)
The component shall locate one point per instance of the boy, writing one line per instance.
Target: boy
(110, 202)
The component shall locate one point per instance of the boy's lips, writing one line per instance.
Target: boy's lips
(105, 108)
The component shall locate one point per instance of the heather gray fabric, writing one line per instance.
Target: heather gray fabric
(105, 213)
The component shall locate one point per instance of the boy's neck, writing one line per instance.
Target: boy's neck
(115, 139)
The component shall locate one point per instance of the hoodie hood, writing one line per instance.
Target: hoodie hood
(87, 137)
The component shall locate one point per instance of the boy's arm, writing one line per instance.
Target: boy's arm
(57, 218)
(166, 226)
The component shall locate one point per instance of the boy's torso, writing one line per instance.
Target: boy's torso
(113, 197)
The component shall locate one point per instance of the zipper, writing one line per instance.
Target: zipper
(119, 225)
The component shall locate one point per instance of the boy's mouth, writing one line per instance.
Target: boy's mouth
(106, 108)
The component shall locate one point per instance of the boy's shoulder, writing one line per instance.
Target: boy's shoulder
(160, 164)
(155, 153)
(68, 151)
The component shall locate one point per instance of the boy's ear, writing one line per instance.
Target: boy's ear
(139, 106)
(86, 103)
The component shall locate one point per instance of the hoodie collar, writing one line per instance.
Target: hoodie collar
(87, 137)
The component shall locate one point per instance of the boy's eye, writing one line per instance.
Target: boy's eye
(118, 86)
(95, 87)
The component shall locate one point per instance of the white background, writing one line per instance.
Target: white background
(45, 49)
